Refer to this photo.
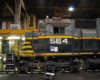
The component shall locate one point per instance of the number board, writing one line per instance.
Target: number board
(58, 41)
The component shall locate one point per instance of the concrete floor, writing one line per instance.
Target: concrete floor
(58, 76)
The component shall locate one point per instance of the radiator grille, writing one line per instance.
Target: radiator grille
(91, 24)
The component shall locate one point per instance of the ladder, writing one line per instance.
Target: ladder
(10, 63)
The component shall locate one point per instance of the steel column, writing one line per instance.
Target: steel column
(25, 23)
(17, 11)
(25, 20)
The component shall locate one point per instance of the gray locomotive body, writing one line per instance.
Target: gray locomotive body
(60, 44)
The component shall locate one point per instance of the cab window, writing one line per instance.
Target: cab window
(62, 30)
(59, 30)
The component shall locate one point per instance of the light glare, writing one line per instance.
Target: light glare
(14, 37)
(0, 37)
(0, 57)
(71, 9)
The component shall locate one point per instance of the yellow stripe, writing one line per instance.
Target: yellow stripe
(66, 53)
(28, 51)
(41, 36)
(58, 53)
(87, 38)
(26, 42)
(76, 53)
(26, 55)
(86, 53)
(61, 37)
(35, 38)
(58, 36)
(75, 37)
(26, 47)
(95, 38)
(98, 52)
(52, 54)
(54, 36)
(48, 54)
(31, 37)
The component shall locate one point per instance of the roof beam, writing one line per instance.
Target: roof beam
(7, 19)
(9, 8)
(65, 8)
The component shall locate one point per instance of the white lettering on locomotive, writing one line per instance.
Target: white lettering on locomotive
(58, 41)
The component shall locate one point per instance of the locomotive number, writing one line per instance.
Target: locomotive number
(58, 41)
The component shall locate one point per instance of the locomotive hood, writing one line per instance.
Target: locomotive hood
(58, 22)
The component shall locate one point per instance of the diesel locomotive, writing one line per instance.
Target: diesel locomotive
(60, 44)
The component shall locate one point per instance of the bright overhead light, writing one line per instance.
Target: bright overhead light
(13, 37)
(0, 37)
(0, 42)
(70, 9)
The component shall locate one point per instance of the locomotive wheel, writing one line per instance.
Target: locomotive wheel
(93, 70)
(56, 71)
(63, 71)
(74, 69)
(7, 72)
(85, 70)
(22, 70)
(49, 69)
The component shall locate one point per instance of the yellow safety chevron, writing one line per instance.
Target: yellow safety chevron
(28, 51)
(26, 47)
(26, 42)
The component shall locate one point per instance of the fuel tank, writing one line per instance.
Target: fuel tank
(93, 64)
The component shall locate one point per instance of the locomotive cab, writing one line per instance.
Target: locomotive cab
(54, 26)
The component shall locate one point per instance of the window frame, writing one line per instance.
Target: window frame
(59, 30)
